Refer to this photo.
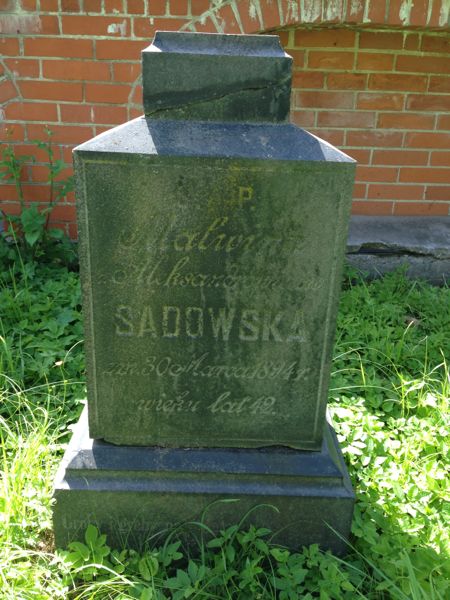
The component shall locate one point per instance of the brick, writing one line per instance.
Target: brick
(8, 193)
(396, 82)
(249, 16)
(361, 156)
(423, 64)
(49, 5)
(31, 111)
(284, 38)
(381, 40)
(63, 212)
(48, 25)
(86, 70)
(126, 72)
(438, 192)
(324, 99)
(405, 121)
(61, 48)
(372, 174)
(424, 175)
(11, 132)
(332, 136)
(428, 140)
(397, 14)
(9, 46)
(23, 67)
(436, 43)
(101, 129)
(110, 115)
(67, 156)
(178, 8)
(205, 25)
(346, 81)
(348, 118)
(157, 7)
(69, 6)
(387, 191)
(137, 95)
(428, 102)
(440, 159)
(400, 157)
(51, 90)
(304, 118)
(359, 190)
(308, 80)
(144, 28)
(135, 7)
(439, 84)
(73, 231)
(169, 24)
(376, 12)
(40, 173)
(92, 6)
(375, 61)
(435, 17)
(119, 49)
(10, 208)
(419, 11)
(133, 113)
(325, 38)
(227, 20)
(28, 24)
(107, 93)
(367, 207)
(330, 60)
(95, 25)
(421, 209)
(270, 14)
(198, 7)
(7, 91)
(39, 155)
(298, 57)
(114, 7)
(76, 113)
(35, 192)
(411, 41)
(377, 139)
(355, 12)
(62, 134)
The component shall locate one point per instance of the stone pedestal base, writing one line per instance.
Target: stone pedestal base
(132, 493)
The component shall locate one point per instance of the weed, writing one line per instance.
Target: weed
(28, 234)
(389, 404)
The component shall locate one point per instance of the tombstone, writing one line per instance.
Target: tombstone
(212, 239)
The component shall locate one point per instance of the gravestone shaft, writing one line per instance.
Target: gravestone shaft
(211, 255)
(212, 238)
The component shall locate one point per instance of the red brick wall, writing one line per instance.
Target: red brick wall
(382, 97)
(370, 76)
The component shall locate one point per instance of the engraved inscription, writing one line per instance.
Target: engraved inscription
(203, 366)
(248, 325)
(151, 273)
(224, 404)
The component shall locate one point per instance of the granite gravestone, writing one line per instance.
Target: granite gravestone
(212, 237)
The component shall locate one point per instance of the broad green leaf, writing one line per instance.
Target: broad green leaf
(91, 534)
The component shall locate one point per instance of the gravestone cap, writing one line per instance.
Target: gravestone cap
(186, 77)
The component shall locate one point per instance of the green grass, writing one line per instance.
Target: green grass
(389, 399)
